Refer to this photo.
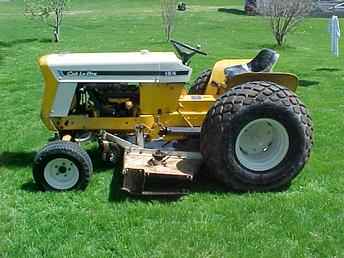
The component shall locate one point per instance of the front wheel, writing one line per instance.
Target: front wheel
(62, 166)
(257, 137)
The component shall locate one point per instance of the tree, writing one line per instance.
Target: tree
(49, 11)
(284, 15)
(168, 13)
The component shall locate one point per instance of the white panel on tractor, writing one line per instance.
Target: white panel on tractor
(136, 67)
(63, 99)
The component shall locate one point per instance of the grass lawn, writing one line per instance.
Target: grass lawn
(305, 221)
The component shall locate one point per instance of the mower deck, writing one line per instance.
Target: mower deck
(171, 171)
(157, 170)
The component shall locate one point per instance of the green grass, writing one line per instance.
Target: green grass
(305, 221)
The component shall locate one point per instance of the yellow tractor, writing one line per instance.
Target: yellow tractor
(241, 120)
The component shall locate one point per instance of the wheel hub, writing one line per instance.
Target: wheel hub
(62, 170)
(61, 173)
(262, 144)
(257, 138)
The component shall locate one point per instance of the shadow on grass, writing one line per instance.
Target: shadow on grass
(17, 159)
(46, 40)
(231, 11)
(270, 46)
(31, 187)
(308, 83)
(12, 43)
(267, 45)
(277, 47)
(325, 69)
(162, 43)
(24, 159)
(204, 182)
(115, 192)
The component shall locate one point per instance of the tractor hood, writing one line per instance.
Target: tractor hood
(135, 67)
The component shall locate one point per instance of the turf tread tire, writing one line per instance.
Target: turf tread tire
(64, 149)
(200, 84)
(221, 124)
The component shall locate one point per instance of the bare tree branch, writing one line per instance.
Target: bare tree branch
(48, 11)
(284, 15)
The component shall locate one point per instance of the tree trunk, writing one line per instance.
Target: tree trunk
(280, 38)
(168, 32)
(57, 26)
(57, 34)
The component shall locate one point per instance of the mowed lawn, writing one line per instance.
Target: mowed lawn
(305, 221)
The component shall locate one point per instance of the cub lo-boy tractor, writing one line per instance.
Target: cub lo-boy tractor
(241, 120)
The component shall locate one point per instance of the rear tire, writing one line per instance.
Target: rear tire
(62, 166)
(257, 137)
(200, 84)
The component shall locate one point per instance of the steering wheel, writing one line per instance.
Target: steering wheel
(177, 43)
(185, 51)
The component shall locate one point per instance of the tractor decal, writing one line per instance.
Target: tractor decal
(120, 73)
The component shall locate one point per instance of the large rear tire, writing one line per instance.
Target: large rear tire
(200, 84)
(62, 166)
(257, 137)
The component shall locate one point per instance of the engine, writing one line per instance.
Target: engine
(106, 100)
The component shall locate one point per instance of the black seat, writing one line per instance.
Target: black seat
(263, 62)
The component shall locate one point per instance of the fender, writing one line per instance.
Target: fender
(288, 80)
(218, 83)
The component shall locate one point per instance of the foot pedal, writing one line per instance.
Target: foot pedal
(153, 172)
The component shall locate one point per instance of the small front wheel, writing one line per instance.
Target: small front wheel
(62, 166)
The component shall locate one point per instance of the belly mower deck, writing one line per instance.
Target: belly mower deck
(156, 171)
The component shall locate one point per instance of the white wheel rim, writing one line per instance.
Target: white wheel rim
(61, 173)
(83, 137)
(262, 144)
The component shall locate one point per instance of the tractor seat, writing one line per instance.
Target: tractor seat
(263, 62)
